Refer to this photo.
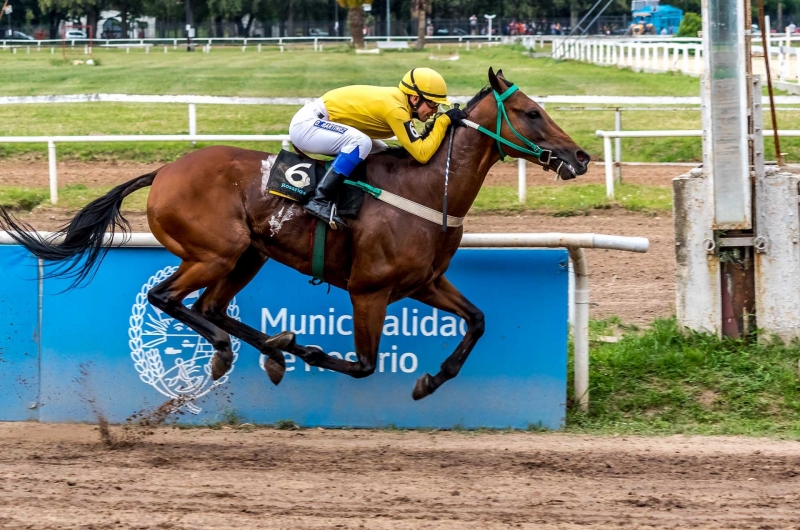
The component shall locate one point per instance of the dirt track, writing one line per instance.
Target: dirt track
(635, 287)
(61, 476)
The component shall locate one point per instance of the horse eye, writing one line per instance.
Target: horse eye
(533, 114)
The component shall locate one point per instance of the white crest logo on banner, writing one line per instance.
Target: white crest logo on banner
(167, 354)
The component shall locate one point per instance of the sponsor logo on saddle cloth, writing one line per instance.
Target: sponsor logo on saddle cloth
(294, 177)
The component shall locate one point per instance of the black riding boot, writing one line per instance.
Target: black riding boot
(322, 205)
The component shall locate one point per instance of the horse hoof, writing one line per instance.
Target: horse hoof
(219, 367)
(423, 388)
(274, 371)
(281, 341)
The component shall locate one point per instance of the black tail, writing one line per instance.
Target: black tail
(82, 237)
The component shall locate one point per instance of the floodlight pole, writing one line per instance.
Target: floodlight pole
(489, 18)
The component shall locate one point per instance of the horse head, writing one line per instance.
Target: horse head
(523, 129)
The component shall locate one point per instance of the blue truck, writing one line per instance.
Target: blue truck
(650, 18)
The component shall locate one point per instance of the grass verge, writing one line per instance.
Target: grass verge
(567, 201)
(229, 71)
(661, 381)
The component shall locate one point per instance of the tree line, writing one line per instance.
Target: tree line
(244, 13)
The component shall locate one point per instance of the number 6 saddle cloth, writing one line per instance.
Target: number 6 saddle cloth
(295, 177)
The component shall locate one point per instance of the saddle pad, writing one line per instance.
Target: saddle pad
(294, 176)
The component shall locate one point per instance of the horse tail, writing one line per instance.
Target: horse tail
(82, 238)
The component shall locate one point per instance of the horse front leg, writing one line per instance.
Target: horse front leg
(369, 311)
(441, 294)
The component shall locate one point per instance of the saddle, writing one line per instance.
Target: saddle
(295, 177)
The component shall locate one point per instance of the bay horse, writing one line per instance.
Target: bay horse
(211, 209)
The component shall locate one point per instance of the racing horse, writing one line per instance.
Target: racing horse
(211, 208)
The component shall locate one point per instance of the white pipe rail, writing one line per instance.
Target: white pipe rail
(574, 243)
(608, 159)
(193, 138)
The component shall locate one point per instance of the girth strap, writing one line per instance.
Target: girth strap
(318, 251)
(406, 205)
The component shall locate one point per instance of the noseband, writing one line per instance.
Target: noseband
(544, 155)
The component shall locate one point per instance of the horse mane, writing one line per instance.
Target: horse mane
(400, 152)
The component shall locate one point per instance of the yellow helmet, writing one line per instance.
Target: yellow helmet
(426, 83)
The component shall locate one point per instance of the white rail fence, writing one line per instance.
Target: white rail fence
(608, 153)
(257, 44)
(578, 285)
(607, 103)
(674, 56)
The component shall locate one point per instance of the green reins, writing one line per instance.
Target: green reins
(543, 155)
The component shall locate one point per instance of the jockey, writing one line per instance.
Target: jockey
(349, 122)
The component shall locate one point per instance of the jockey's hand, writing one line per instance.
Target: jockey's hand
(456, 116)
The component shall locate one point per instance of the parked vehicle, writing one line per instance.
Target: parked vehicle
(16, 35)
(650, 18)
(457, 32)
(314, 32)
(75, 34)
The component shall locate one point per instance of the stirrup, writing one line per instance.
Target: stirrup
(331, 221)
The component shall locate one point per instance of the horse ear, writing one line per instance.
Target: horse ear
(500, 75)
(494, 82)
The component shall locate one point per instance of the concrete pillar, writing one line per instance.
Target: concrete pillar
(697, 279)
(777, 258)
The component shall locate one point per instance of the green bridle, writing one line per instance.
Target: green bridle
(543, 155)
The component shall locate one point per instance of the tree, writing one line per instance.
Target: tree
(355, 18)
(127, 8)
(77, 8)
(420, 9)
(690, 25)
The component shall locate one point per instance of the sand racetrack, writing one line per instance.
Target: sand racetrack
(62, 476)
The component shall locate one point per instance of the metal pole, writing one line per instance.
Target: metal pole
(388, 20)
(580, 331)
(522, 180)
(192, 120)
(765, 42)
(618, 144)
(51, 159)
(609, 162)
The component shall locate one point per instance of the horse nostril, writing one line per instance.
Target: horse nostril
(583, 158)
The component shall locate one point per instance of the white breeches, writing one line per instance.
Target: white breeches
(312, 132)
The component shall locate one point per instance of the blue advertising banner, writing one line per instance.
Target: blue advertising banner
(105, 350)
(19, 340)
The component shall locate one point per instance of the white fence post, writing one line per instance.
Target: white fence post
(608, 157)
(580, 330)
(618, 143)
(522, 182)
(685, 62)
(571, 293)
(192, 119)
(797, 62)
(638, 57)
(51, 161)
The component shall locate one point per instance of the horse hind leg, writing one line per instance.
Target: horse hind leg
(369, 311)
(168, 296)
(213, 304)
(442, 295)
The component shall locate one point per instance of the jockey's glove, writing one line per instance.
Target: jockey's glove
(456, 116)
